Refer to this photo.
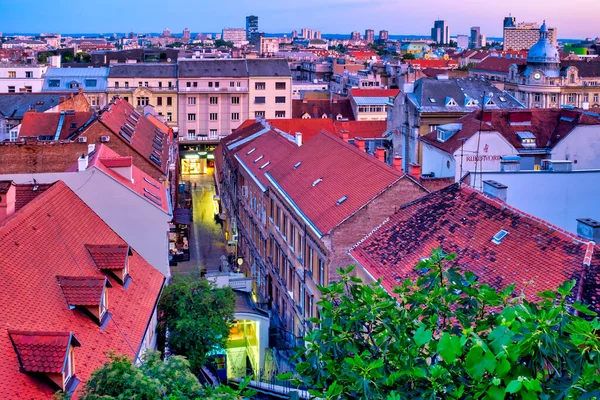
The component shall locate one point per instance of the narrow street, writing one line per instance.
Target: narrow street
(207, 243)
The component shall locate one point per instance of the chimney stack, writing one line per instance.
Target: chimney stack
(414, 170)
(298, 139)
(91, 148)
(397, 163)
(360, 143)
(345, 136)
(82, 163)
(589, 229)
(8, 193)
(495, 189)
(380, 154)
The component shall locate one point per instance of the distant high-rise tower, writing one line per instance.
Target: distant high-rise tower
(294, 34)
(440, 33)
(355, 35)
(318, 35)
(510, 22)
(166, 32)
(251, 26)
(304, 33)
(311, 34)
(384, 36)
(370, 35)
(186, 35)
(475, 39)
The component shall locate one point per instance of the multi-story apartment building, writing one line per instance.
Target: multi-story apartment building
(523, 35)
(237, 36)
(146, 84)
(216, 96)
(15, 78)
(370, 36)
(92, 81)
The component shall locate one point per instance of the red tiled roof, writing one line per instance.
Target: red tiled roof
(444, 64)
(82, 290)
(27, 192)
(361, 129)
(374, 92)
(534, 255)
(145, 133)
(498, 64)
(45, 239)
(331, 169)
(41, 351)
(117, 162)
(548, 125)
(107, 256)
(46, 124)
(261, 154)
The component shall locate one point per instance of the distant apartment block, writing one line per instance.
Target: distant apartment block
(370, 36)
(237, 36)
(524, 35)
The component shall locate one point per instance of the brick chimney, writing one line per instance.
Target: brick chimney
(380, 154)
(397, 162)
(414, 170)
(360, 143)
(345, 135)
(8, 193)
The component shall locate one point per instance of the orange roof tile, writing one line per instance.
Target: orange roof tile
(108, 256)
(82, 290)
(41, 351)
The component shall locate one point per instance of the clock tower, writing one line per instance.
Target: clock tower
(543, 61)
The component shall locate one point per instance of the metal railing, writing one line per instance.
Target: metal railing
(213, 90)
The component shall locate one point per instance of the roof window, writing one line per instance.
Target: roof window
(299, 163)
(341, 200)
(264, 165)
(113, 258)
(499, 236)
(87, 293)
(432, 100)
(258, 159)
(252, 150)
(315, 183)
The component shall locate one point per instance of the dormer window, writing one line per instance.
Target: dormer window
(527, 139)
(113, 259)
(339, 117)
(87, 293)
(471, 102)
(47, 353)
(490, 103)
(324, 116)
(450, 102)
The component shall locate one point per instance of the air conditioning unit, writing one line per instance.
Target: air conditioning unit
(105, 139)
(82, 139)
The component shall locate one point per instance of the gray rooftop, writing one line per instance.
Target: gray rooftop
(14, 105)
(433, 95)
(143, 71)
(233, 68)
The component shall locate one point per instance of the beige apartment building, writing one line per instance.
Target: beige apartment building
(270, 88)
(146, 84)
(524, 35)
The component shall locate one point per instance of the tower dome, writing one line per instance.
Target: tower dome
(543, 52)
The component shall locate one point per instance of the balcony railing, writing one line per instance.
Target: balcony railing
(209, 138)
(150, 88)
(213, 90)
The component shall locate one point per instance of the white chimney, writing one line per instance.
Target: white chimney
(495, 189)
(82, 163)
(91, 148)
(299, 139)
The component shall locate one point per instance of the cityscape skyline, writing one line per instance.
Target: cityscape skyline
(335, 17)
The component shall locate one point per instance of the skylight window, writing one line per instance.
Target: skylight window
(341, 200)
(252, 150)
(299, 163)
(264, 165)
(151, 183)
(499, 236)
(258, 159)
(502, 99)
(315, 183)
(432, 100)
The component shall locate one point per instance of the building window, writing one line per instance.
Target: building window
(191, 117)
(11, 89)
(571, 98)
(188, 84)
(260, 86)
(146, 84)
(231, 84)
(73, 85)
(56, 83)
(169, 101)
(126, 98)
(280, 99)
(213, 116)
(195, 84)
(140, 84)
(160, 85)
(142, 101)
(279, 114)
(553, 97)
(169, 116)
(216, 84)
(28, 74)
(433, 128)
(126, 85)
(70, 367)
(572, 78)
(116, 85)
(259, 114)
(212, 134)
(321, 272)
(159, 101)
(586, 97)
(191, 134)
(235, 100)
(537, 97)
(191, 101)
(595, 97)
(280, 85)
(235, 116)
(170, 85)
(210, 84)
(259, 100)
(12, 74)
(213, 100)
(28, 89)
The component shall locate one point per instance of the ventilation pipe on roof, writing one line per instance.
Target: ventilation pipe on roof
(299, 139)
(8, 201)
(495, 189)
(380, 154)
(589, 229)
(345, 136)
(414, 170)
(397, 162)
(360, 143)
(82, 163)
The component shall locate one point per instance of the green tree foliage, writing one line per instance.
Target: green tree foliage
(408, 56)
(198, 317)
(67, 56)
(43, 57)
(448, 336)
(221, 43)
(120, 379)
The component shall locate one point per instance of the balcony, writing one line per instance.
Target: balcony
(213, 90)
(201, 138)
(131, 89)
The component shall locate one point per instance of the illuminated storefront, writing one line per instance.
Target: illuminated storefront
(197, 159)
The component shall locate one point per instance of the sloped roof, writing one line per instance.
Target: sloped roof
(586, 68)
(498, 64)
(329, 170)
(46, 124)
(79, 75)
(108, 256)
(535, 255)
(42, 351)
(549, 126)
(47, 238)
(374, 92)
(272, 67)
(317, 107)
(212, 68)
(15, 105)
(147, 139)
(141, 70)
(82, 290)
(27, 192)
